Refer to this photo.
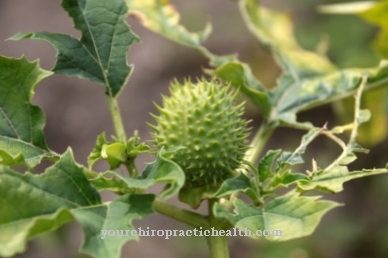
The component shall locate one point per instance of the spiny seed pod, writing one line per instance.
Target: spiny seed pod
(204, 120)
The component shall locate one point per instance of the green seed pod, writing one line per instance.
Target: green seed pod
(204, 120)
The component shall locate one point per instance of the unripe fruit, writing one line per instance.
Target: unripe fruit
(204, 120)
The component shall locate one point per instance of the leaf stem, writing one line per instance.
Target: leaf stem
(193, 219)
(218, 245)
(117, 121)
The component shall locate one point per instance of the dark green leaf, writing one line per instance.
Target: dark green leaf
(21, 123)
(241, 183)
(265, 165)
(100, 54)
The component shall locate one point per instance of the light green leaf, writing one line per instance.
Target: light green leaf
(35, 204)
(162, 170)
(100, 54)
(21, 123)
(296, 216)
(118, 216)
(161, 17)
(332, 180)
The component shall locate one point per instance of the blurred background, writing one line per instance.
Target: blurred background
(77, 112)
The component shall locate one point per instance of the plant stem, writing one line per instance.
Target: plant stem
(258, 143)
(218, 245)
(117, 121)
(193, 219)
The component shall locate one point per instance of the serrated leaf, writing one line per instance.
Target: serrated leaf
(118, 216)
(161, 17)
(100, 54)
(265, 165)
(296, 216)
(332, 180)
(162, 170)
(21, 123)
(35, 204)
(240, 183)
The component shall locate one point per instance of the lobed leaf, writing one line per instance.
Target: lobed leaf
(162, 170)
(21, 123)
(117, 216)
(35, 204)
(100, 54)
(332, 180)
(296, 216)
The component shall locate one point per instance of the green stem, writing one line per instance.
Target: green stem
(117, 121)
(258, 143)
(218, 245)
(193, 219)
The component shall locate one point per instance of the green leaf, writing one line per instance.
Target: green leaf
(161, 17)
(332, 180)
(162, 170)
(100, 54)
(296, 216)
(287, 159)
(240, 183)
(275, 29)
(265, 165)
(21, 123)
(35, 204)
(287, 179)
(240, 76)
(118, 216)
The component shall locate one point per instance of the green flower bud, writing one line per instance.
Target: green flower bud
(203, 119)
